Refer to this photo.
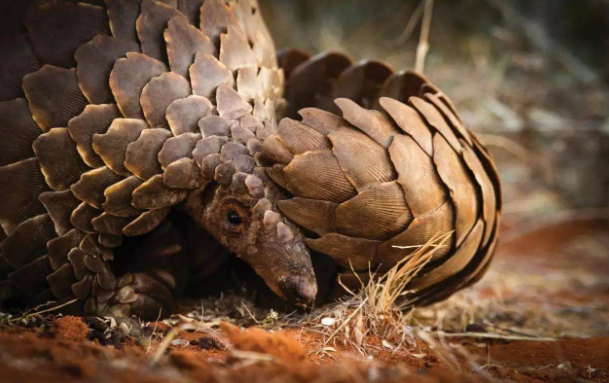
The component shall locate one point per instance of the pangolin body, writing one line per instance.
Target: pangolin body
(114, 117)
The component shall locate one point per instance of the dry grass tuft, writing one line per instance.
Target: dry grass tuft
(380, 309)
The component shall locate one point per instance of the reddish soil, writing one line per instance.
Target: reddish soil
(29, 356)
(66, 349)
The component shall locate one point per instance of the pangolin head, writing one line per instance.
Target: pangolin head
(241, 212)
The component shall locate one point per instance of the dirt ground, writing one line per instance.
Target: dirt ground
(540, 315)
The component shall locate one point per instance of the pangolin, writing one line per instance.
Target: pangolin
(142, 140)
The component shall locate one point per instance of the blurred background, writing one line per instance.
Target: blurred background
(530, 76)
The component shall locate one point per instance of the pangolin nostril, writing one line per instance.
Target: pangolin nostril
(299, 290)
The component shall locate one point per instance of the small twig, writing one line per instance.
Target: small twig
(163, 346)
(482, 335)
(156, 325)
(252, 355)
(510, 146)
(543, 41)
(346, 321)
(44, 311)
(423, 46)
(414, 19)
(250, 313)
(416, 246)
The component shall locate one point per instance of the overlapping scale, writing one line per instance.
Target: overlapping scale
(95, 119)
(54, 96)
(28, 241)
(315, 215)
(417, 175)
(317, 175)
(123, 15)
(112, 145)
(150, 26)
(22, 183)
(447, 188)
(364, 162)
(362, 82)
(183, 115)
(59, 159)
(95, 61)
(17, 60)
(455, 176)
(207, 73)
(378, 213)
(60, 205)
(91, 185)
(59, 28)
(127, 79)
(141, 156)
(119, 198)
(18, 131)
(184, 41)
(350, 252)
(376, 125)
(159, 93)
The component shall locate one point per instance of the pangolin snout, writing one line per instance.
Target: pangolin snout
(298, 290)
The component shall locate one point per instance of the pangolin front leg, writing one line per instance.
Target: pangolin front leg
(153, 271)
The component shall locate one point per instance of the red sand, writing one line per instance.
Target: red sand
(61, 351)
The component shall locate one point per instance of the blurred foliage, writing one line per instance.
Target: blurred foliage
(530, 75)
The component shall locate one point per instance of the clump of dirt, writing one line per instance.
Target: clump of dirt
(540, 315)
(69, 328)
(280, 345)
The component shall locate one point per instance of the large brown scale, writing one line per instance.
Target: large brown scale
(115, 117)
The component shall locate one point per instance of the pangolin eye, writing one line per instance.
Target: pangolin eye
(233, 218)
